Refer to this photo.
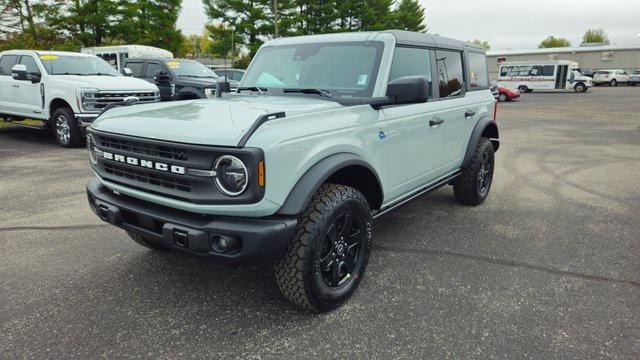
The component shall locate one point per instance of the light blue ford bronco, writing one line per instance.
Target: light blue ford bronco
(324, 134)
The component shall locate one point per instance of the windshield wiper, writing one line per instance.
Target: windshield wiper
(99, 74)
(309, 91)
(260, 90)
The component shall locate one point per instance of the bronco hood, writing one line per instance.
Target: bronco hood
(220, 122)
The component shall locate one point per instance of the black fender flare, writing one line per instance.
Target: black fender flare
(476, 134)
(197, 93)
(311, 181)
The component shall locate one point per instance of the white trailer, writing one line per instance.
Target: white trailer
(115, 55)
(528, 76)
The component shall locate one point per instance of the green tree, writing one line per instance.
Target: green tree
(483, 44)
(150, 22)
(409, 15)
(595, 36)
(553, 42)
(18, 16)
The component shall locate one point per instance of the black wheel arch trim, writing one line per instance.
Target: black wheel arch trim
(476, 134)
(311, 181)
(188, 92)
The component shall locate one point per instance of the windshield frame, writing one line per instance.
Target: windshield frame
(369, 91)
(49, 66)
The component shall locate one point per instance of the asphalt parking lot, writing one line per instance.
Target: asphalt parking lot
(546, 268)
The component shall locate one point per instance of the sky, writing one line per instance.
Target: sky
(521, 24)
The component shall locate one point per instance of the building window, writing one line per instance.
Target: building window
(607, 56)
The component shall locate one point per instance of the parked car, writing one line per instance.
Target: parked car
(503, 93)
(610, 77)
(528, 76)
(66, 91)
(231, 74)
(326, 133)
(634, 78)
(178, 79)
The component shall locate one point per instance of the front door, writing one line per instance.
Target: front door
(8, 87)
(414, 132)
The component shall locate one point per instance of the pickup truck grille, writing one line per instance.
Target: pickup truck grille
(99, 100)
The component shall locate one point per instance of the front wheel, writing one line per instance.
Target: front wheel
(65, 128)
(327, 257)
(580, 88)
(502, 97)
(614, 82)
(473, 185)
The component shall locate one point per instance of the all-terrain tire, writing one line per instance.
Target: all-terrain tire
(141, 240)
(65, 128)
(299, 271)
(468, 188)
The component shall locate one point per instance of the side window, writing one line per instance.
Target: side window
(504, 70)
(478, 77)
(411, 62)
(30, 64)
(6, 63)
(152, 69)
(237, 75)
(536, 70)
(548, 70)
(450, 76)
(135, 67)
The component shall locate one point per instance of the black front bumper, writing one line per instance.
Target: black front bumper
(258, 237)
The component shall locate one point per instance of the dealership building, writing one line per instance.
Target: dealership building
(626, 57)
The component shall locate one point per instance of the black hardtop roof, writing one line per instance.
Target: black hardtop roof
(421, 39)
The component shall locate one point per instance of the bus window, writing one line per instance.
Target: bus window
(536, 70)
(524, 70)
(548, 70)
(504, 70)
(110, 58)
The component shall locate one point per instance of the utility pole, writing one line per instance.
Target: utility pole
(275, 15)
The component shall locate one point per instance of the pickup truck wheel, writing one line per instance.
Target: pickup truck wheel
(141, 240)
(326, 258)
(473, 185)
(65, 128)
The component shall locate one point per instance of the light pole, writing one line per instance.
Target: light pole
(275, 16)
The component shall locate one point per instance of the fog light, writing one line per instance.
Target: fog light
(225, 243)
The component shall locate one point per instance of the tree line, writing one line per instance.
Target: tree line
(235, 27)
(72, 24)
(590, 36)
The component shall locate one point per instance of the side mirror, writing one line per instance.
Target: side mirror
(408, 90)
(162, 77)
(127, 72)
(19, 72)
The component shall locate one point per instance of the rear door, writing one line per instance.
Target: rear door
(7, 86)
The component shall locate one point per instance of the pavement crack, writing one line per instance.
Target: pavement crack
(511, 263)
(45, 228)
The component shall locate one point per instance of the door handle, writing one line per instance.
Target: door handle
(15, 86)
(469, 113)
(436, 122)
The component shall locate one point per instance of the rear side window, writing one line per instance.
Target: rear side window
(411, 62)
(135, 67)
(548, 70)
(450, 75)
(478, 77)
(6, 63)
(30, 64)
(152, 69)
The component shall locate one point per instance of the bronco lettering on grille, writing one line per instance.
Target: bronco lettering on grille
(144, 163)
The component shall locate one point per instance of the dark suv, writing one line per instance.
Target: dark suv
(177, 79)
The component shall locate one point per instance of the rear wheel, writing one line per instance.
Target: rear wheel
(65, 128)
(473, 185)
(326, 259)
(523, 89)
(502, 97)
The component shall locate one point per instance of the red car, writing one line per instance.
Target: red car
(504, 93)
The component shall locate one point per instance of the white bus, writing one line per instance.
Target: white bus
(527, 76)
(115, 55)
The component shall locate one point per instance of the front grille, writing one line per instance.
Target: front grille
(99, 100)
(148, 178)
(165, 152)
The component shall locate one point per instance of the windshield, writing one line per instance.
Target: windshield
(77, 65)
(346, 69)
(578, 73)
(603, 72)
(190, 68)
(637, 72)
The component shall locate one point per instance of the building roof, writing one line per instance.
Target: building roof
(564, 50)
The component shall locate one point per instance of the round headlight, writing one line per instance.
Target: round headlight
(91, 146)
(232, 176)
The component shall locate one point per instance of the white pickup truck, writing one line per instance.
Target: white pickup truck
(65, 90)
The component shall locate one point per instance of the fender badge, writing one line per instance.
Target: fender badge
(382, 135)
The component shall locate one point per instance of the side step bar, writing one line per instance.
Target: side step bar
(17, 123)
(422, 191)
